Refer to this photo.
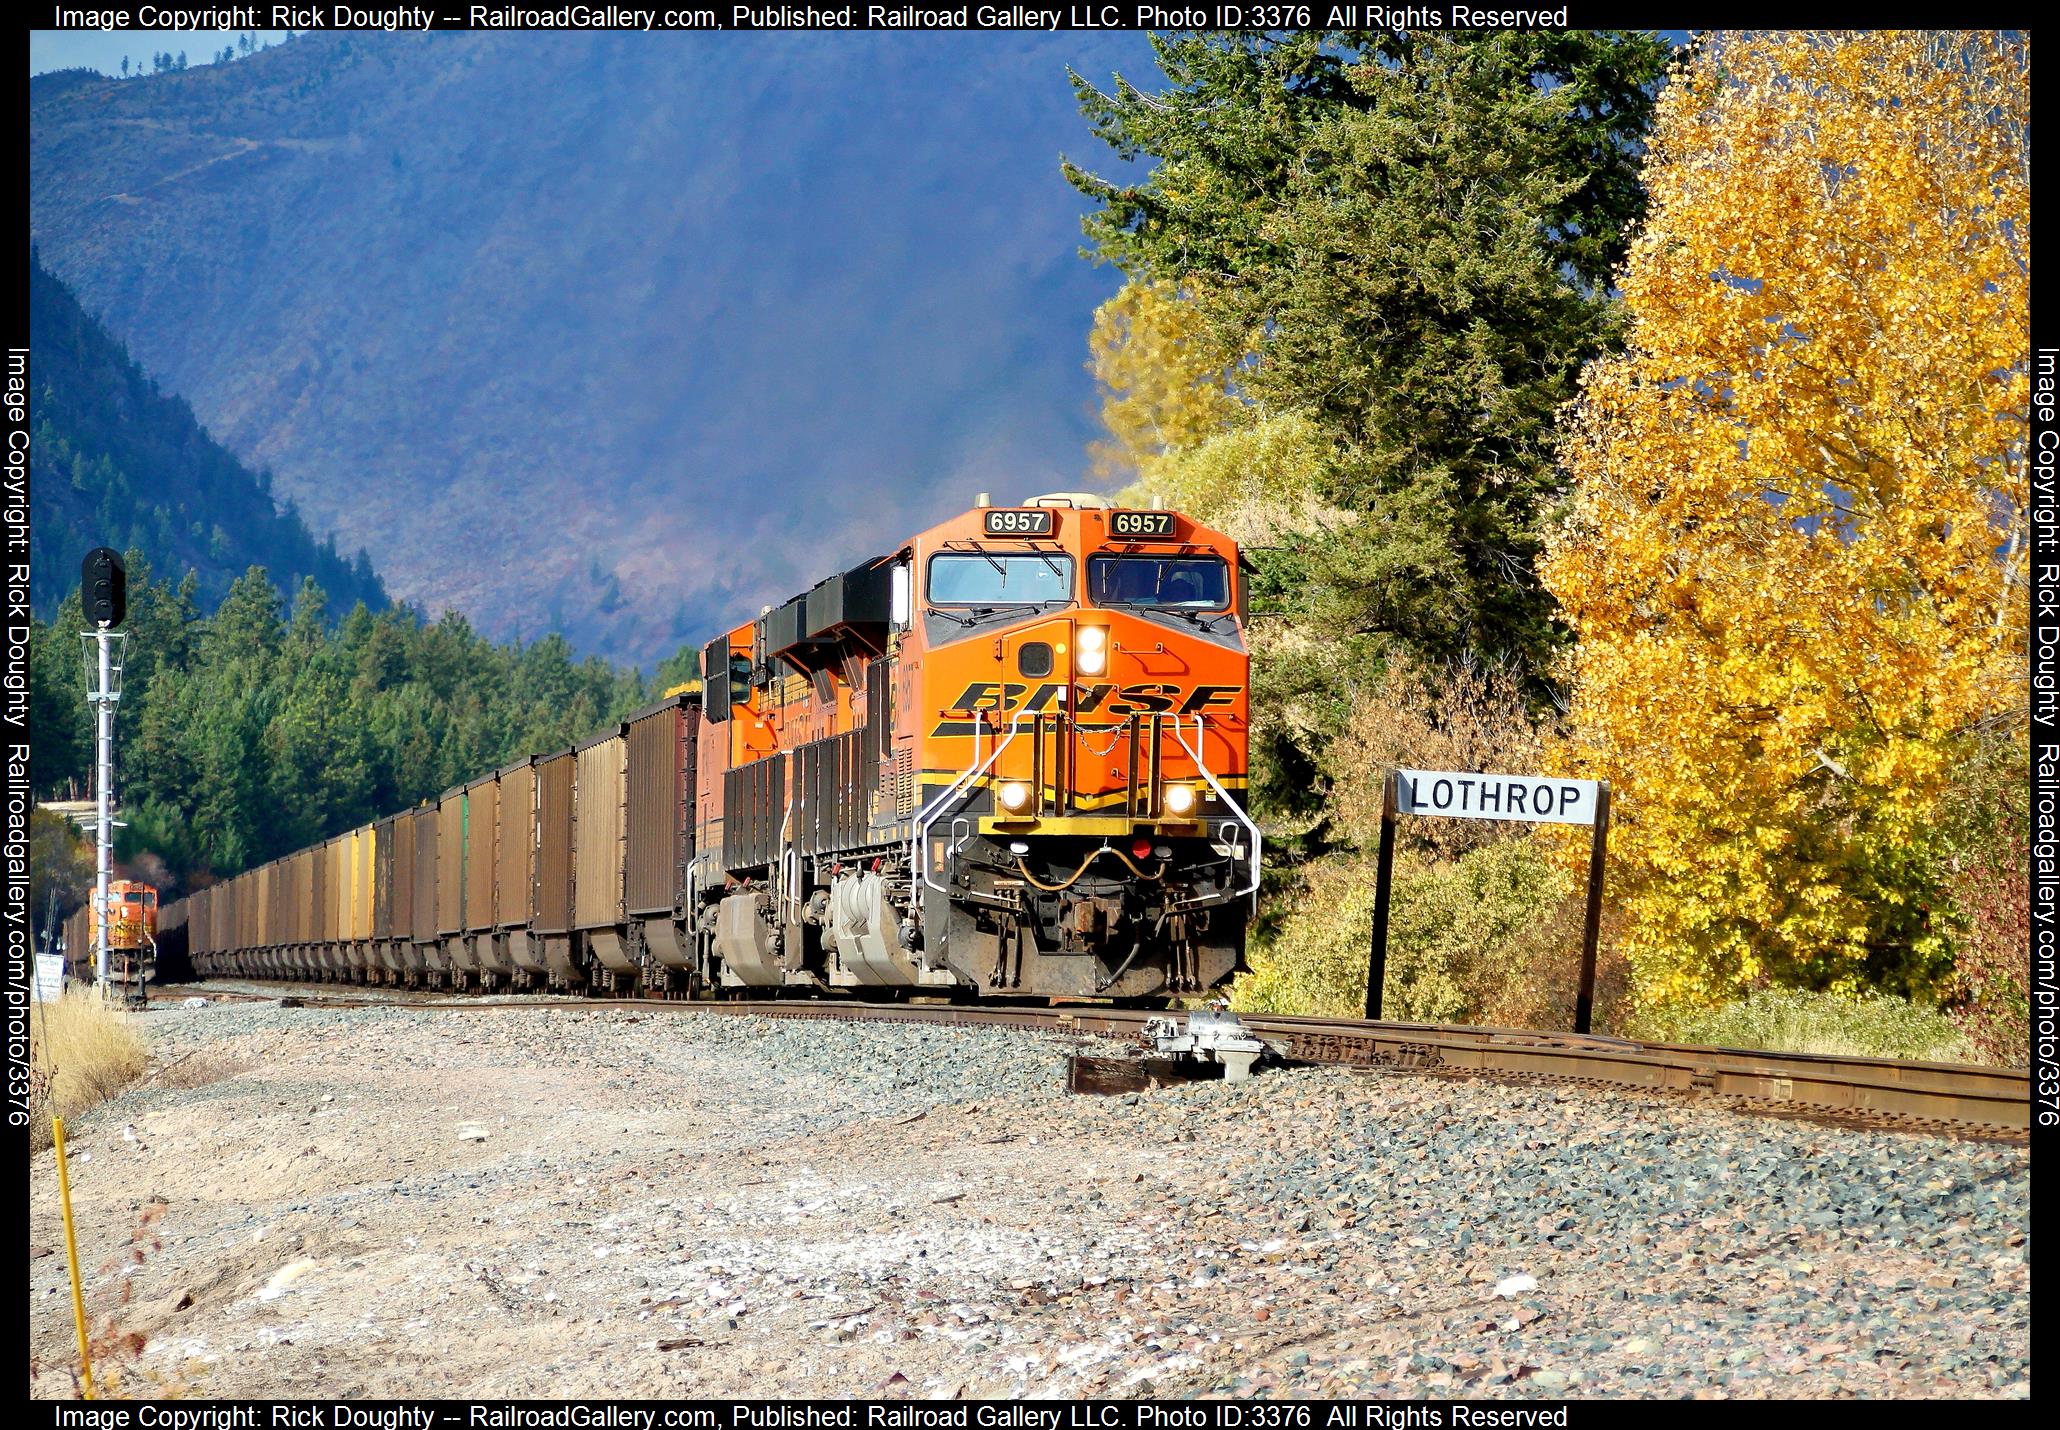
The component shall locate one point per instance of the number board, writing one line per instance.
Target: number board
(1004, 521)
(1140, 523)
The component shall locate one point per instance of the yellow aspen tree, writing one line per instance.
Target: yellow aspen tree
(1164, 382)
(1795, 555)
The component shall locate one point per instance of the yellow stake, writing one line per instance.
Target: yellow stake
(71, 1251)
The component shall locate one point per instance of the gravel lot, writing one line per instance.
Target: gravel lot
(381, 1202)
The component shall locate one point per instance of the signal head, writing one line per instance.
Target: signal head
(104, 586)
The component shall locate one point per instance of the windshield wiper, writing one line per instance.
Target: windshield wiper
(1205, 619)
(973, 616)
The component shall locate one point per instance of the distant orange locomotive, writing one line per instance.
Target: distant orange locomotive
(131, 933)
(1007, 760)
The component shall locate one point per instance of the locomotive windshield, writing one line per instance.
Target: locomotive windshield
(999, 579)
(1200, 583)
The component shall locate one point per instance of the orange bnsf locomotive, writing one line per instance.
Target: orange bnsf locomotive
(132, 935)
(1008, 760)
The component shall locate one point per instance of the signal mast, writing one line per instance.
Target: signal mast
(103, 590)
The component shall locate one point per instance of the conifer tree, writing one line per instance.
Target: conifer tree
(1392, 251)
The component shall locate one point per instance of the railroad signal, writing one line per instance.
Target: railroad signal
(104, 597)
(1533, 799)
(104, 587)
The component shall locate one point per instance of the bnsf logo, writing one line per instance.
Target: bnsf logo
(1146, 699)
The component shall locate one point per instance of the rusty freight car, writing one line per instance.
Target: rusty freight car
(597, 843)
(426, 963)
(400, 938)
(377, 967)
(482, 823)
(450, 886)
(658, 840)
(515, 883)
(552, 927)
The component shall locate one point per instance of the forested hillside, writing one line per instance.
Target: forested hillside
(251, 729)
(617, 335)
(115, 461)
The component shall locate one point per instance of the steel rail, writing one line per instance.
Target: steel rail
(1943, 1097)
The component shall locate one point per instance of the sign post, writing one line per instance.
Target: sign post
(1591, 925)
(1383, 878)
(1532, 799)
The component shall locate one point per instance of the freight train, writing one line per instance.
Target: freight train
(1007, 760)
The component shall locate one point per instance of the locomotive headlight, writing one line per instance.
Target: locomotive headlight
(1014, 795)
(1179, 799)
(1094, 650)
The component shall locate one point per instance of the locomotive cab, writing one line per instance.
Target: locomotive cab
(132, 915)
(1082, 680)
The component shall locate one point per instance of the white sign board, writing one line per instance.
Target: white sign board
(1536, 799)
(49, 977)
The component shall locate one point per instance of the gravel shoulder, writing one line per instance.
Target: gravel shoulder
(504, 1204)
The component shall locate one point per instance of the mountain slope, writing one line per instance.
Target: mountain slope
(619, 334)
(114, 461)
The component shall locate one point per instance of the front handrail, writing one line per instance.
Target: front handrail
(790, 859)
(928, 816)
(935, 810)
(1194, 752)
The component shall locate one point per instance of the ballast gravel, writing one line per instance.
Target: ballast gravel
(504, 1203)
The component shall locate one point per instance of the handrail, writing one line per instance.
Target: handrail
(934, 811)
(1194, 752)
(928, 816)
(786, 880)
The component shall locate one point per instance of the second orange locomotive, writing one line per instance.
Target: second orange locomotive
(1008, 759)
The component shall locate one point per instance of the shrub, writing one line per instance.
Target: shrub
(82, 1051)
(1790, 1020)
(1450, 716)
(1493, 936)
(1992, 957)
(1315, 959)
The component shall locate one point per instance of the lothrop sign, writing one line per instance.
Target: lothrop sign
(1461, 794)
(1530, 798)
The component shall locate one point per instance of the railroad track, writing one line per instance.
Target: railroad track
(1950, 1099)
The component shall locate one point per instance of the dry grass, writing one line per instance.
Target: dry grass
(82, 1051)
(197, 1069)
(1786, 1020)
